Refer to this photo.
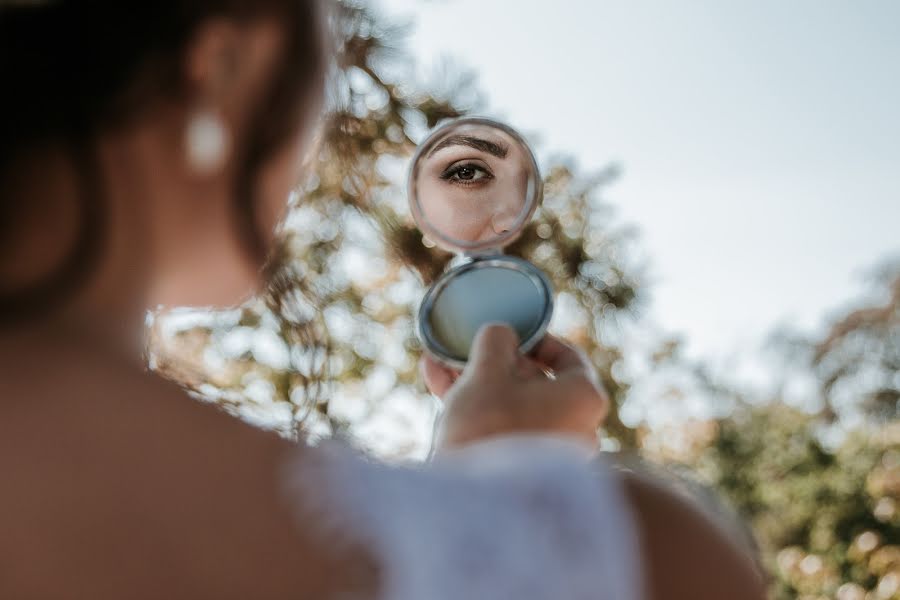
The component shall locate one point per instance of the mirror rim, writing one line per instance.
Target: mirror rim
(423, 324)
(461, 246)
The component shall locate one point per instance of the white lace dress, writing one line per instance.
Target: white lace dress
(515, 518)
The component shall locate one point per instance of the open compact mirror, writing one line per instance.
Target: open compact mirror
(473, 186)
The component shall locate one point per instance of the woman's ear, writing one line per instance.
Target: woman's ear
(227, 66)
(212, 60)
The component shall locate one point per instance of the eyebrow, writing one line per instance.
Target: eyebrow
(484, 145)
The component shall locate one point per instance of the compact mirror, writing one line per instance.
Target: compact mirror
(473, 186)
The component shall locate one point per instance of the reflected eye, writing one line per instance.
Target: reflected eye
(467, 173)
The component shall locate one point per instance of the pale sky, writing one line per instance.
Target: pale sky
(760, 140)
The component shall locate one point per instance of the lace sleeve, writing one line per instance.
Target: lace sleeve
(524, 518)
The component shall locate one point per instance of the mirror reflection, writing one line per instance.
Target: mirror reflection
(486, 295)
(474, 184)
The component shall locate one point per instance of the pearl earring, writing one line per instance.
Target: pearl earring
(207, 142)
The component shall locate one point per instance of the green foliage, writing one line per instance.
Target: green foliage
(858, 361)
(819, 488)
(823, 519)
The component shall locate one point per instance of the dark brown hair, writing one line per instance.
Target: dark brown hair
(71, 69)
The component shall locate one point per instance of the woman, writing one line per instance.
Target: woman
(145, 154)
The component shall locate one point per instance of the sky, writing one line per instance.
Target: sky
(759, 140)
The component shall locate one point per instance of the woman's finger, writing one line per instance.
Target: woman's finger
(495, 349)
(438, 378)
(572, 365)
(561, 357)
(528, 368)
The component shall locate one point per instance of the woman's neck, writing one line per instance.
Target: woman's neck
(167, 240)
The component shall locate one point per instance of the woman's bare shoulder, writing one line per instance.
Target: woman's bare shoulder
(118, 481)
(686, 553)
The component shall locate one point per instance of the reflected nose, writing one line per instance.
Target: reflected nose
(503, 222)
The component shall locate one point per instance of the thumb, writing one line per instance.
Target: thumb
(495, 347)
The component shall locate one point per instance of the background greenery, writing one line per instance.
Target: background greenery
(818, 483)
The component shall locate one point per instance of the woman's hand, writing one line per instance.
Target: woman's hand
(503, 392)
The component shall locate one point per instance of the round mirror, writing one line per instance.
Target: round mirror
(504, 289)
(473, 185)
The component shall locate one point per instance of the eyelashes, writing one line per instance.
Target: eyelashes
(467, 173)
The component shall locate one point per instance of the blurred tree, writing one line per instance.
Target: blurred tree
(859, 360)
(353, 259)
(820, 488)
(827, 520)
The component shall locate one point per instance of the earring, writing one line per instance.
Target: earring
(207, 142)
